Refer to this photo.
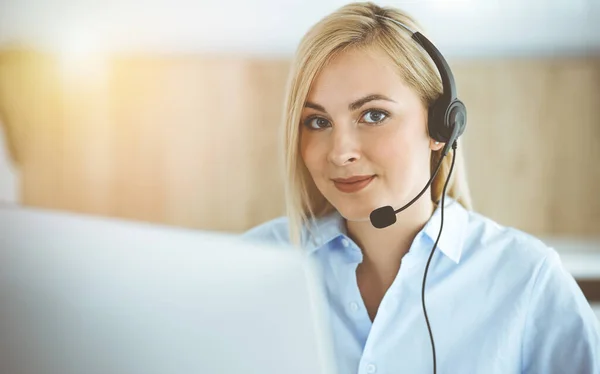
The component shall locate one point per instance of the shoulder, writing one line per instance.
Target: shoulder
(507, 244)
(560, 331)
(520, 261)
(513, 258)
(274, 231)
(312, 235)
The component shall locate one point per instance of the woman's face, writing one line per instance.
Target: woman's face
(361, 119)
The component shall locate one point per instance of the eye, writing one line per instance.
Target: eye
(374, 116)
(316, 123)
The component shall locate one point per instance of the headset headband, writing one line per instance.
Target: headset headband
(449, 93)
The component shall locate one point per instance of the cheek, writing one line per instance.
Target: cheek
(310, 153)
(398, 154)
(390, 146)
(392, 154)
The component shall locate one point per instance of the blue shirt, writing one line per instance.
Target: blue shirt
(498, 301)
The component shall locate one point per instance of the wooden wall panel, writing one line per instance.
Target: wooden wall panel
(533, 142)
(29, 105)
(192, 140)
(195, 139)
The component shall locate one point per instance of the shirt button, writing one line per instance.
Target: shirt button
(353, 306)
(371, 368)
(345, 242)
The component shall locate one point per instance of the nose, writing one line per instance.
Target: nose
(344, 147)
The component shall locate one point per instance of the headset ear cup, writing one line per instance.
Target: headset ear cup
(456, 114)
(436, 122)
(441, 118)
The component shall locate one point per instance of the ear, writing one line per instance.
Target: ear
(435, 145)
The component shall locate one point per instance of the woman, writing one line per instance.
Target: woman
(498, 300)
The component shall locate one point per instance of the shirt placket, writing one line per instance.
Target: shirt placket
(389, 310)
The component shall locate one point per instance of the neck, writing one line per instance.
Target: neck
(383, 249)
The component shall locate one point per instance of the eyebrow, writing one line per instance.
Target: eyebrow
(353, 105)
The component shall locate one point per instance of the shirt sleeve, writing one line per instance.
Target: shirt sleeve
(561, 331)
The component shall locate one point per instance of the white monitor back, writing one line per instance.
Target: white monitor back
(96, 296)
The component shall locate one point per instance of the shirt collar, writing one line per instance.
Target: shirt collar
(454, 229)
(325, 229)
(332, 225)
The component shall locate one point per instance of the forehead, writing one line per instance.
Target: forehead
(357, 72)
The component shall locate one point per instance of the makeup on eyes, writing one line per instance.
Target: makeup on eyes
(310, 118)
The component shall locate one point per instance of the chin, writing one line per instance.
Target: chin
(355, 212)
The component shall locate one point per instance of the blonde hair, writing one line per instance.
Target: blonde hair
(356, 25)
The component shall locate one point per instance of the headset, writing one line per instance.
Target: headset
(447, 119)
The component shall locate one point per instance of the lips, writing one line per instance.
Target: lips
(353, 179)
(356, 184)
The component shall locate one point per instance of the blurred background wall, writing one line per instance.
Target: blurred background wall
(169, 112)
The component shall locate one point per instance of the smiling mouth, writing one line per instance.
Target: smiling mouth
(353, 186)
(357, 178)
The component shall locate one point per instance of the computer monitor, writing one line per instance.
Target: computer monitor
(82, 294)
